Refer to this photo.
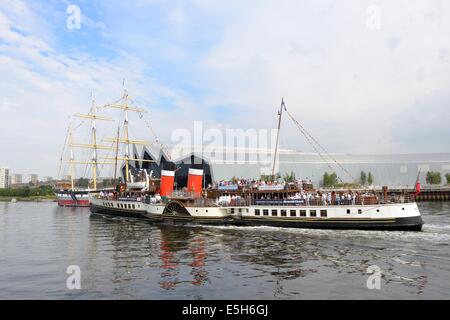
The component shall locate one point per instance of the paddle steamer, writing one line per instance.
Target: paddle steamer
(274, 204)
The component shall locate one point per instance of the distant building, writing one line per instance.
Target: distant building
(16, 179)
(48, 179)
(393, 170)
(4, 177)
(34, 179)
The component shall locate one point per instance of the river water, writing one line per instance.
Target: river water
(133, 259)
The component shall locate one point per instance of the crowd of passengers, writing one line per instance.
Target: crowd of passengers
(254, 183)
(331, 198)
(306, 198)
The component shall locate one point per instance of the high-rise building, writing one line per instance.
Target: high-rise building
(4, 177)
(34, 179)
(16, 179)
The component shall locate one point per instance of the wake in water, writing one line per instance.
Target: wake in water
(429, 232)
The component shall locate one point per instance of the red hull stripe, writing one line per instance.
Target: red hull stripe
(79, 203)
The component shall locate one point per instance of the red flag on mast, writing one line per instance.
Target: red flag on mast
(417, 187)
(418, 184)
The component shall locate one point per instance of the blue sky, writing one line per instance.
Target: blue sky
(357, 88)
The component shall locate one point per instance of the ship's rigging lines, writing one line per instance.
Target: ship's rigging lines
(316, 146)
(140, 111)
(124, 103)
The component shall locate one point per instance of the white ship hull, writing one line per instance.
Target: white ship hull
(128, 208)
(176, 212)
(398, 216)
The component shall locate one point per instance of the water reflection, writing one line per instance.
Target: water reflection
(174, 243)
(124, 259)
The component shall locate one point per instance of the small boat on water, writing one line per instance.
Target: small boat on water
(276, 203)
(72, 197)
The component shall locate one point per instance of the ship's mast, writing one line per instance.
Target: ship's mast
(117, 154)
(72, 169)
(125, 127)
(126, 106)
(92, 115)
(278, 136)
(94, 143)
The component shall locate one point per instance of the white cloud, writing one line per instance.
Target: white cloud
(44, 88)
(348, 84)
(353, 87)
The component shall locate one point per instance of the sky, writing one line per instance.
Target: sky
(361, 76)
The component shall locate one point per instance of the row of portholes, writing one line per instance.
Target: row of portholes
(292, 213)
(121, 205)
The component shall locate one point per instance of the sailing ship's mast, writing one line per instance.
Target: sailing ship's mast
(71, 161)
(117, 154)
(92, 115)
(124, 105)
(94, 143)
(278, 136)
(125, 126)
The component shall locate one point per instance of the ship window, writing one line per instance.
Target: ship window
(312, 213)
(378, 210)
(302, 213)
(118, 205)
(293, 213)
(265, 212)
(274, 213)
(359, 211)
(323, 213)
(403, 208)
(283, 213)
(134, 206)
(257, 212)
(348, 211)
(206, 210)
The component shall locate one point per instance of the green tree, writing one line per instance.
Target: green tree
(434, 177)
(370, 179)
(363, 178)
(329, 180)
(326, 179)
(447, 176)
(289, 177)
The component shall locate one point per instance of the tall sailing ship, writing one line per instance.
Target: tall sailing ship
(68, 194)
